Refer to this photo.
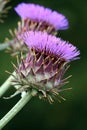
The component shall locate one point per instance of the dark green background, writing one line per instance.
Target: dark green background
(40, 115)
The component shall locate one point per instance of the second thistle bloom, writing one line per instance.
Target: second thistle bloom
(36, 18)
(39, 18)
(45, 65)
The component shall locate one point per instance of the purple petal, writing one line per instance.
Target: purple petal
(39, 13)
(51, 45)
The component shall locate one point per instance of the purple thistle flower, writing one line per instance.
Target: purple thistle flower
(35, 18)
(45, 64)
(38, 13)
(50, 45)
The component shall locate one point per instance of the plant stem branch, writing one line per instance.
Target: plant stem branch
(3, 46)
(6, 85)
(20, 104)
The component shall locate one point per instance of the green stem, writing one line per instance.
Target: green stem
(21, 103)
(3, 46)
(6, 85)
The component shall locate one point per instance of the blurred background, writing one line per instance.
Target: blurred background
(37, 114)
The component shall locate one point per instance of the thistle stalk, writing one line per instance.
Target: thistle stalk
(6, 85)
(20, 104)
(3, 46)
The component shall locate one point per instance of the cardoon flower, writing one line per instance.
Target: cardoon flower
(45, 65)
(38, 18)
(35, 18)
